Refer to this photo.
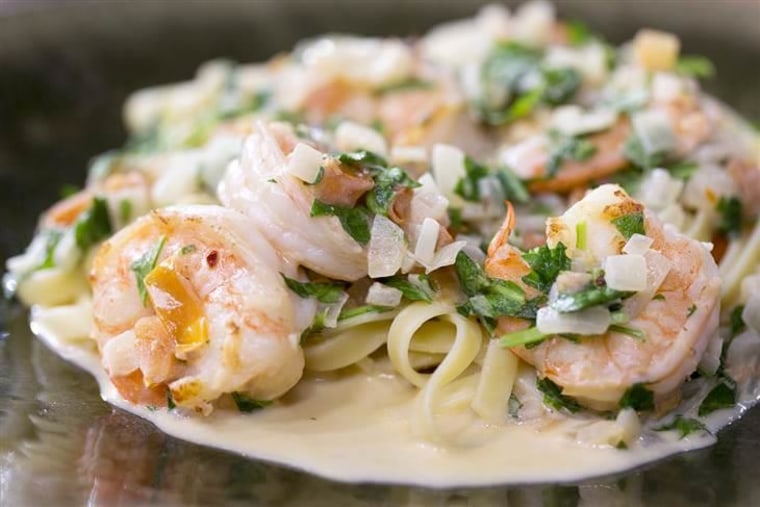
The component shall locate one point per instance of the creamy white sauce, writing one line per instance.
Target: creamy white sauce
(356, 429)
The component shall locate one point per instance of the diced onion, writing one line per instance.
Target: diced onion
(659, 189)
(656, 50)
(448, 169)
(446, 256)
(654, 130)
(427, 239)
(379, 294)
(626, 272)
(386, 250)
(658, 267)
(332, 311)
(402, 155)
(591, 321)
(750, 285)
(638, 244)
(67, 253)
(573, 121)
(751, 312)
(351, 136)
(666, 87)
(710, 361)
(305, 162)
(119, 354)
(428, 202)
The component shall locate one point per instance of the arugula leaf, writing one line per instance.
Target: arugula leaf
(327, 293)
(513, 188)
(421, 291)
(554, 398)
(638, 398)
(684, 425)
(730, 210)
(723, 395)
(144, 265)
(468, 186)
(634, 152)
(545, 264)
(355, 221)
(247, 404)
(93, 225)
(695, 66)
(387, 182)
(565, 148)
(361, 310)
(630, 224)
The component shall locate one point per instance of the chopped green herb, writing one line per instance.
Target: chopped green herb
(355, 221)
(695, 66)
(363, 158)
(691, 310)
(67, 190)
(683, 170)
(566, 148)
(320, 175)
(51, 243)
(421, 291)
(638, 398)
(247, 404)
(317, 325)
(169, 400)
(327, 293)
(144, 265)
(659, 297)
(630, 331)
(125, 211)
(387, 183)
(362, 310)
(630, 179)
(683, 425)
(580, 235)
(93, 225)
(594, 294)
(187, 249)
(560, 85)
(455, 219)
(723, 395)
(730, 210)
(630, 224)
(468, 186)
(255, 103)
(514, 189)
(736, 321)
(546, 264)
(578, 33)
(530, 335)
(412, 83)
(634, 152)
(554, 398)
(271, 180)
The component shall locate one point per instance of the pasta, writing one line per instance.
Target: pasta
(512, 228)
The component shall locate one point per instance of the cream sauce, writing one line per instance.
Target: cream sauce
(356, 429)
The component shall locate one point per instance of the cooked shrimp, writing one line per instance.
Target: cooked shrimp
(677, 325)
(215, 316)
(279, 205)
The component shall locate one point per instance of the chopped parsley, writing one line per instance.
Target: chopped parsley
(638, 334)
(169, 400)
(566, 148)
(125, 211)
(412, 83)
(659, 297)
(327, 293)
(691, 310)
(736, 321)
(93, 225)
(527, 336)
(546, 264)
(362, 310)
(638, 398)
(144, 265)
(630, 224)
(723, 395)
(468, 187)
(387, 182)
(730, 211)
(355, 221)
(683, 170)
(513, 406)
(635, 153)
(420, 291)
(683, 425)
(51, 243)
(67, 190)
(695, 66)
(513, 188)
(578, 33)
(554, 398)
(187, 249)
(594, 294)
(247, 404)
(560, 85)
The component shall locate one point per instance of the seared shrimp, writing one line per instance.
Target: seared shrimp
(279, 205)
(675, 326)
(189, 301)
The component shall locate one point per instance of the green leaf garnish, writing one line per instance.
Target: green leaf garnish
(412, 83)
(566, 148)
(327, 293)
(554, 398)
(513, 188)
(247, 404)
(355, 221)
(695, 66)
(530, 335)
(362, 310)
(634, 152)
(730, 210)
(627, 330)
(421, 291)
(638, 398)
(144, 265)
(591, 295)
(93, 225)
(683, 425)
(560, 85)
(387, 182)
(546, 264)
(187, 249)
(736, 321)
(630, 224)
(125, 211)
(53, 238)
(468, 186)
(683, 170)
(578, 33)
(723, 395)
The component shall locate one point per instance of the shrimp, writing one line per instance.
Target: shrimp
(677, 324)
(279, 205)
(188, 300)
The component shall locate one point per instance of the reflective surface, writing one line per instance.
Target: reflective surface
(64, 71)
